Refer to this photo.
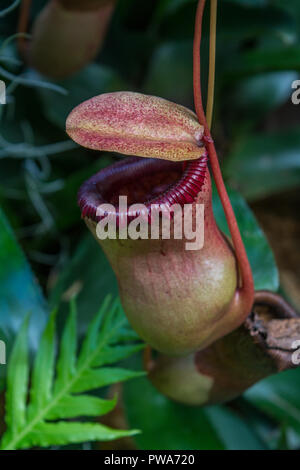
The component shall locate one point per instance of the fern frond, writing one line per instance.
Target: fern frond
(38, 416)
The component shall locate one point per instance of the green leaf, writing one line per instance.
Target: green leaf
(264, 92)
(66, 364)
(165, 424)
(91, 379)
(263, 60)
(242, 20)
(171, 59)
(265, 273)
(90, 81)
(237, 21)
(261, 165)
(116, 353)
(67, 213)
(292, 7)
(167, 7)
(184, 427)
(88, 269)
(251, 3)
(70, 406)
(51, 398)
(234, 432)
(278, 396)
(43, 370)
(46, 434)
(90, 342)
(19, 292)
(17, 382)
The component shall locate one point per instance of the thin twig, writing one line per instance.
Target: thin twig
(212, 61)
(23, 25)
(9, 9)
(246, 273)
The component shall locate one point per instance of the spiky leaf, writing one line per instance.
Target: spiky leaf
(56, 396)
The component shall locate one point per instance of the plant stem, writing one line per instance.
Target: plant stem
(246, 274)
(23, 25)
(212, 61)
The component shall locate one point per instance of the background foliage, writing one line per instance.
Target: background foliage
(149, 49)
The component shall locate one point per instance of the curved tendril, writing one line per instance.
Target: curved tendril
(148, 361)
(212, 61)
(246, 274)
(268, 298)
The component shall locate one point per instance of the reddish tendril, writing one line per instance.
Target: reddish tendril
(23, 25)
(246, 274)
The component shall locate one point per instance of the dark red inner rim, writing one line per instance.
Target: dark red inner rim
(142, 180)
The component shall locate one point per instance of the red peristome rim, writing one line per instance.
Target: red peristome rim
(93, 193)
